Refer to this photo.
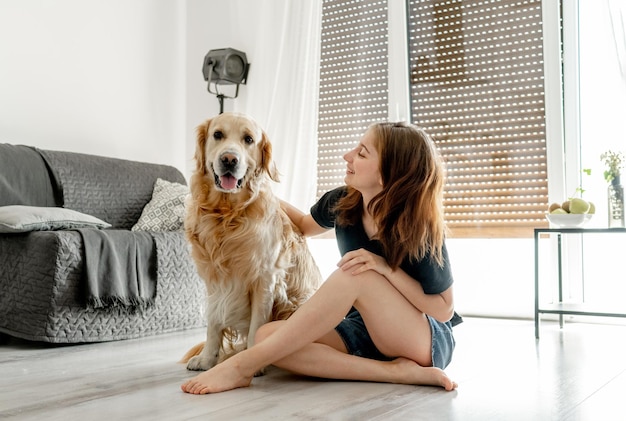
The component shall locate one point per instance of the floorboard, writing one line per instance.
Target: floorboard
(577, 373)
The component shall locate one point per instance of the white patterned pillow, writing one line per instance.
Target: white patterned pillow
(166, 209)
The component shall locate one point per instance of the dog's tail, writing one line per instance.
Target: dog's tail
(195, 350)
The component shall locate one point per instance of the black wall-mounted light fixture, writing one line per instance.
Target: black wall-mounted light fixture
(225, 66)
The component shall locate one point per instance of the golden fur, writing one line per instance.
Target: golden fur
(254, 261)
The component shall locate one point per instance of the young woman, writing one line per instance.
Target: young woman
(386, 313)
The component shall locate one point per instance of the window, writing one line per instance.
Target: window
(353, 89)
(477, 87)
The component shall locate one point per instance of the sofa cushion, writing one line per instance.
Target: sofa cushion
(166, 209)
(18, 218)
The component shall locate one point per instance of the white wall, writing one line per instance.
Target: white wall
(95, 76)
(209, 26)
(123, 78)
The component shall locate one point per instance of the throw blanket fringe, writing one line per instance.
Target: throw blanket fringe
(120, 267)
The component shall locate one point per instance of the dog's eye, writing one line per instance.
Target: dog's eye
(248, 140)
(218, 135)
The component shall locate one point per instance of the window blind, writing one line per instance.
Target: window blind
(477, 87)
(353, 91)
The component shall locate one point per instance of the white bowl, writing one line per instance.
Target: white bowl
(569, 220)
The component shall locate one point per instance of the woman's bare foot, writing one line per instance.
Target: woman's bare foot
(224, 376)
(412, 373)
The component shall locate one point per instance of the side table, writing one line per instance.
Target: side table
(560, 307)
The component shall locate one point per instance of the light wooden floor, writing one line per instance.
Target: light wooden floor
(578, 373)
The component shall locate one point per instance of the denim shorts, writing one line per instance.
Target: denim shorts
(358, 342)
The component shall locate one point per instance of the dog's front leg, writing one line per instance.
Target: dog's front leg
(261, 303)
(260, 307)
(210, 352)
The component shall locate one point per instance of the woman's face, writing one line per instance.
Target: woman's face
(363, 173)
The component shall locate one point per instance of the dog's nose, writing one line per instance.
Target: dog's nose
(229, 160)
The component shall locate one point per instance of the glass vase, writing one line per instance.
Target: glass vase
(616, 204)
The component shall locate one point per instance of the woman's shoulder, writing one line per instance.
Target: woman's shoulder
(331, 197)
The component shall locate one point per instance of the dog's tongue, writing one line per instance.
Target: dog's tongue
(228, 182)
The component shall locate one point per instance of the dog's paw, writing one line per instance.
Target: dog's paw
(200, 363)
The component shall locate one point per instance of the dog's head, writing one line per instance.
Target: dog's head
(233, 149)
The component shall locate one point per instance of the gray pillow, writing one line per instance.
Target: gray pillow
(166, 209)
(18, 218)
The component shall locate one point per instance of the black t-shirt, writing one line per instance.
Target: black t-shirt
(435, 279)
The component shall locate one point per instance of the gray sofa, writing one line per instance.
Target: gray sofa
(43, 272)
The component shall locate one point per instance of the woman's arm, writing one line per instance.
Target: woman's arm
(305, 222)
(439, 306)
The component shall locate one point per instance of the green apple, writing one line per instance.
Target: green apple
(577, 205)
(559, 211)
(592, 208)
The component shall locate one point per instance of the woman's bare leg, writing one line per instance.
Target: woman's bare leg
(323, 360)
(377, 300)
(318, 360)
(328, 358)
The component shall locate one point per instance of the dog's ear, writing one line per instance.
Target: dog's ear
(266, 158)
(201, 137)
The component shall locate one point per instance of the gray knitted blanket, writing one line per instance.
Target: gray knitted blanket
(120, 267)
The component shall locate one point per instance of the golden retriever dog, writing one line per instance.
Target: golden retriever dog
(255, 263)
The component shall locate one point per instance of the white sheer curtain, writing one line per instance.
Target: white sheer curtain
(617, 12)
(282, 88)
(602, 87)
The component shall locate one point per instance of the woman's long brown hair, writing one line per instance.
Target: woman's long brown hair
(409, 210)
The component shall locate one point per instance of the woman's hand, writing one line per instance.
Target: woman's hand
(362, 260)
(305, 222)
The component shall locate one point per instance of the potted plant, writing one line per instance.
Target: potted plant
(614, 162)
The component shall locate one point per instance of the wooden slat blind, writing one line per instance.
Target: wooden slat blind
(353, 81)
(477, 87)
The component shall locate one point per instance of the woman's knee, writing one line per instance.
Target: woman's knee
(354, 281)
